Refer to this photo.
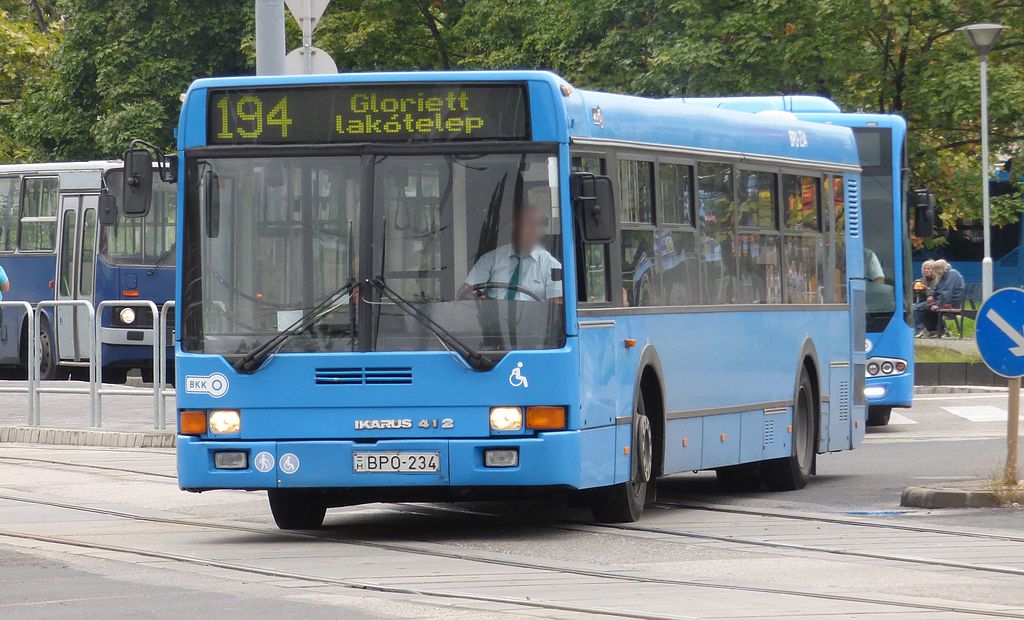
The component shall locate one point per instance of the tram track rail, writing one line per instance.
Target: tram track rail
(378, 587)
(746, 541)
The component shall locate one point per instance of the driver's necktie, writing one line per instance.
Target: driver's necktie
(513, 282)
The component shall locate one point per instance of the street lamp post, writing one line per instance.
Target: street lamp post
(983, 37)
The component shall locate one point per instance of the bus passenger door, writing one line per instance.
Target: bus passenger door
(66, 282)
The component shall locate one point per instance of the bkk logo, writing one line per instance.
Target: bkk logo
(216, 384)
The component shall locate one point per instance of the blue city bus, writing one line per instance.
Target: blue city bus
(881, 141)
(442, 286)
(964, 245)
(54, 246)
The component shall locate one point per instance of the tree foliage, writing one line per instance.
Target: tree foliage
(86, 75)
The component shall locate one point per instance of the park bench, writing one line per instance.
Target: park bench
(968, 309)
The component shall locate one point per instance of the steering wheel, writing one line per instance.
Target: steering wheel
(466, 292)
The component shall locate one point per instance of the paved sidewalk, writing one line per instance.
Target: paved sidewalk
(127, 421)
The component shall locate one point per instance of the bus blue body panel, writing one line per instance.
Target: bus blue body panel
(701, 354)
(31, 278)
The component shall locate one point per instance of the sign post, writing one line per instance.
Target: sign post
(308, 59)
(1000, 334)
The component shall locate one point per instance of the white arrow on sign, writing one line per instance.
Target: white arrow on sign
(1011, 333)
(307, 9)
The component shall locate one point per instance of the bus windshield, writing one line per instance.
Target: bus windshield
(880, 240)
(471, 240)
(141, 241)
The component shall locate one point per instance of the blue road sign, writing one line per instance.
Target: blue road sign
(1000, 332)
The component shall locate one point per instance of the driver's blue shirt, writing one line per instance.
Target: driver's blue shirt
(499, 265)
(3, 282)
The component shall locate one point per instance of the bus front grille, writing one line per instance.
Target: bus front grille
(364, 376)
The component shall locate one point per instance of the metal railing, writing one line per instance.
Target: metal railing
(35, 387)
(97, 359)
(160, 373)
(94, 388)
(30, 359)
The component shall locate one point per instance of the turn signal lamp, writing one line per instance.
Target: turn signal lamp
(545, 418)
(506, 418)
(225, 422)
(129, 293)
(192, 422)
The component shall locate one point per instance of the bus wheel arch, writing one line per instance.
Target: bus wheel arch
(650, 384)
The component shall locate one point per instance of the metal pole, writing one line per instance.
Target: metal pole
(986, 262)
(1012, 431)
(270, 42)
(307, 37)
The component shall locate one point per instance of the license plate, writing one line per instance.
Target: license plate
(395, 462)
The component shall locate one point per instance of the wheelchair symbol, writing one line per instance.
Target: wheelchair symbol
(516, 379)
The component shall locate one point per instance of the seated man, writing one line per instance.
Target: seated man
(524, 263)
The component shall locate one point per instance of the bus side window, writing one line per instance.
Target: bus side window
(10, 192)
(839, 226)
(803, 252)
(39, 214)
(715, 214)
(640, 278)
(758, 277)
(592, 283)
(676, 238)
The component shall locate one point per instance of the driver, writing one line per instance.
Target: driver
(523, 263)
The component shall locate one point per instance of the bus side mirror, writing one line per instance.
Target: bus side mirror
(594, 205)
(211, 196)
(107, 207)
(923, 202)
(138, 182)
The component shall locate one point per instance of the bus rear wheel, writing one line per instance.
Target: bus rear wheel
(794, 471)
(624, 503)
(879, 416)
(47, 360)
(296, 509)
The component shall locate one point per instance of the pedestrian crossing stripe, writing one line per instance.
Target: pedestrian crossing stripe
(895, 419)
(980, 413)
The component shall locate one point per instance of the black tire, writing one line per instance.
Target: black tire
(879, 416)
(739, 478)
(624, 503)
(793, 472)
(297, 509)
(47, 354)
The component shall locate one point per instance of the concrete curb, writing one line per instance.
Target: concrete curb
(957, 389)
(75, 437)
(927, 497)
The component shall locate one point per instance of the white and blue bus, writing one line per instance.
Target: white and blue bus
(891, 211)
(54, 246)
(475, 284)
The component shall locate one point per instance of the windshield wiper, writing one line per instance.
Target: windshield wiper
(160, 261)
(475, 360)
(253, 360)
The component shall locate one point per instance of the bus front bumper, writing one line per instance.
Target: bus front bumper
(890, 391)
(574, 459)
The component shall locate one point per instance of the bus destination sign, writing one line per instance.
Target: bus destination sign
(368, 113)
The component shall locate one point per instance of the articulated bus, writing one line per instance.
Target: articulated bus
(881, 140)
(53, 246)
(441, 286)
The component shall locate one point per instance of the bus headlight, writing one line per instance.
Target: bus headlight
(506, 418)
(872, 369)
(225, 422)
(127, 315)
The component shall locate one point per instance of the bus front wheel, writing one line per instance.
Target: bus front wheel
(296, 509)
(879, 416)
(793, 472)
(624, 503)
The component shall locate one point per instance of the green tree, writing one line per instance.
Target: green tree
(28, 43)
(119, 70)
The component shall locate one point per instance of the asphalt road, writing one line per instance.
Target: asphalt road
(468, 549)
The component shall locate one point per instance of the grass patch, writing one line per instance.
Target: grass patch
(932, 353)
(968, 329)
